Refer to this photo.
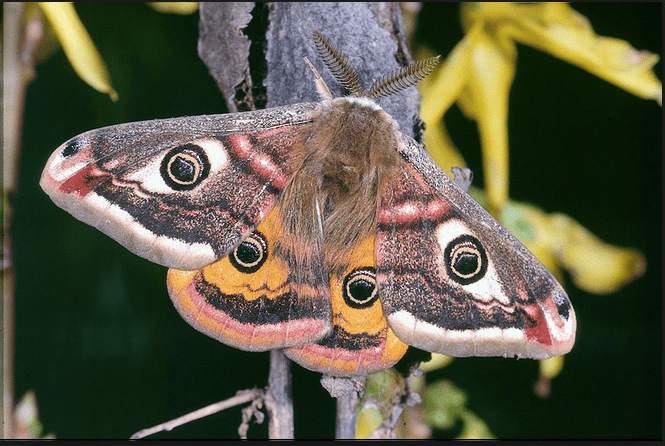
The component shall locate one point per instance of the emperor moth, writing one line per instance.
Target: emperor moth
(308, 228)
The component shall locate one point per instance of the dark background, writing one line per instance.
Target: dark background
(100, 343)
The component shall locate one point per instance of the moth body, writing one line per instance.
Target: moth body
(349, 152)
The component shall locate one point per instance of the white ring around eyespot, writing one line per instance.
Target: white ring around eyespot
(466, 249)
(150, 176)
(486, 288)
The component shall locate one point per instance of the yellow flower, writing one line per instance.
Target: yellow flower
(79, 47)
(548, 370)
(594, 266)
(369, 419)
(479, 72)
(183, 8)
(438, 361)
(478, 75)
(559, 30)
(560, 242)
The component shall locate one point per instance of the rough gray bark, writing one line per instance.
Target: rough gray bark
(278, 397)
(255, 53)
(223, 46)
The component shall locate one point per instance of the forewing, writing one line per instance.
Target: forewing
(453, 281)
(180, 192)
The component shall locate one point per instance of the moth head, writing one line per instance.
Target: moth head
(346, 74)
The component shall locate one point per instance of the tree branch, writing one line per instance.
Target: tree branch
(347, 416)
(241, 397)
(278, 397)
(21, 41)
(347, 391)
(255, 52)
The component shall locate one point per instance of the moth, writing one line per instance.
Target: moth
(308, 228)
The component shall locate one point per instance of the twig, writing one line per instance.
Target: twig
(277, 399)
(241, 397)
(21, 41)
(249, 412)
(347, 392)
(347, 414)
(287, 31)
(279, 403)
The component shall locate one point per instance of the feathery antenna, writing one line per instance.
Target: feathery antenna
(339, 65)
(343, 70)
(402, 78)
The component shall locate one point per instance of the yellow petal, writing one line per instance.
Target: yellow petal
(550, 368)
(369, 419)
(441, 148)
(79, 47)
(559, 241)
(485, 98)
(531, 226)
(438, 361)
(594, 266)
(474, 427)
(441, 88)
(507, 13)
(493, 17)
(183, 8)
(569, 36)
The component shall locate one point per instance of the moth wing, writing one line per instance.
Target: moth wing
(179, 192)
(452, 280)
(360, 343)
(256, 298)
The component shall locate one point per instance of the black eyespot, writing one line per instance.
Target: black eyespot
(359, 288)
(466, 260)
(73, 147)
(251, 254)
(184, 167)
(562, 305)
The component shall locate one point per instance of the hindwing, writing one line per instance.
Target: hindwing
(256, 298)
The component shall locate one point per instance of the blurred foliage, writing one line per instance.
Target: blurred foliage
(26, 419)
